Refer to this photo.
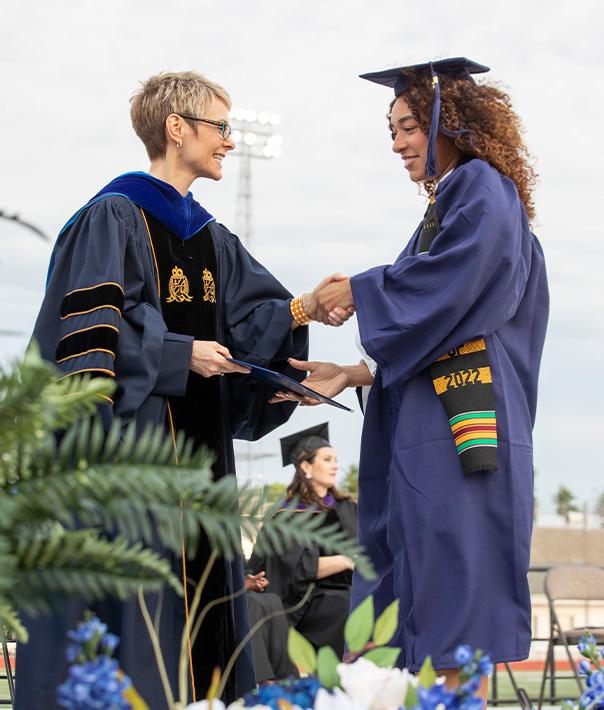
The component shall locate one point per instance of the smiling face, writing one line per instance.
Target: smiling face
(323, 470)
(411, 143)
(202, 152)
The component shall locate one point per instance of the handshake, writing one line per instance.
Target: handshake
(331, 302)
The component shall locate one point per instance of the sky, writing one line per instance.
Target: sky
(337, 199)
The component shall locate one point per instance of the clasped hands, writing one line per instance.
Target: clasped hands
(331, 302)
(256, 582)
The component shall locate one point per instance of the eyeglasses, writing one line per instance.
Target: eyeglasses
(225, 129)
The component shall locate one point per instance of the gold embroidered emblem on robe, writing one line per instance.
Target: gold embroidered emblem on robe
(178, 287)
(209, 286)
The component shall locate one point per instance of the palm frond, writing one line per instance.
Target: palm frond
(84, 563)
(11, 628)
(56, 498)
(33, 404)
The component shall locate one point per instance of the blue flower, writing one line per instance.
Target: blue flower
(73, 652)
(299, 692)
(109, 643)
(596, 680)
(92, 685)
(95, 683)
(471, 686)
(87, 630)
(485, 667)
(584, 668)
(463, 655)
(430, 698)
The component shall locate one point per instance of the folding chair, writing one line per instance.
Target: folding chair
(520, 693)
(566, 582)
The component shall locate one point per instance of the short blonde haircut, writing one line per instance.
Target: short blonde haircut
(170, 92)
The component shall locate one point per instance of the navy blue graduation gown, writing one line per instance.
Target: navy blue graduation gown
(453, 549)
(101, 314)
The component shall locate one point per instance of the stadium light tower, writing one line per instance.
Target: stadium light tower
(255, 134)
(256, 138)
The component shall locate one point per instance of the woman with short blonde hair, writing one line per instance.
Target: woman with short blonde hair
(147, 288)
(185, 93)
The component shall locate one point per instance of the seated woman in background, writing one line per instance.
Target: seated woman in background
(321, 619)
(269, 642)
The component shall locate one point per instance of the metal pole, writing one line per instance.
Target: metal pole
(244, 197)
(244, 227)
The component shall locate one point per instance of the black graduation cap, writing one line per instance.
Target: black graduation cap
(312, 439)
(398, 79)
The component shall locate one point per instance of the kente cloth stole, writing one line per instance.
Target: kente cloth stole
(462, 380)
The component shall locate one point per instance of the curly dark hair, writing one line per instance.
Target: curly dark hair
(491, 130)
(301, 488)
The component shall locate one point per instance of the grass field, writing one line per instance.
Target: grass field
(529, 680)
(4, 696)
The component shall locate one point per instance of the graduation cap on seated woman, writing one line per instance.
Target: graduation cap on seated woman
(399, 80)
(311, 439)
(299, 447)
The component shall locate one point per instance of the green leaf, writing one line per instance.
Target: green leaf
(327, 661)
(386, 624)
(427, 674)
(359, 626)
(301, 652)
(384, 657)
(411, 699)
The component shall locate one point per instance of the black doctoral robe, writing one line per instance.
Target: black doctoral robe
(102, 313)
(321, 620)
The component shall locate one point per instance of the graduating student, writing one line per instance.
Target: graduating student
(147, 288)
(453, 332)
(321, 619)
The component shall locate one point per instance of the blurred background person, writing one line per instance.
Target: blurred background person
(269, 642)
(313, 487)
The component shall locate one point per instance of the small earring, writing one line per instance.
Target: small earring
(179, 144)
(308, 475)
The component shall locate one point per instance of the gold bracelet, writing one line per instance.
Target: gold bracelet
(298, 312)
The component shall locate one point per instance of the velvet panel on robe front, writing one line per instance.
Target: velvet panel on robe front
(108, 243)
(453, 549)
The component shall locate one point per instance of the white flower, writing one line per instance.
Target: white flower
(238, 705)
(205, 705)
(338, 701)
(377, 688)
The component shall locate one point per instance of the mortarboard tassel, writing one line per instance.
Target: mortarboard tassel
(431, 161)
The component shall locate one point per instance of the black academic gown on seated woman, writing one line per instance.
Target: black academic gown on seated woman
(135, 276)
(321, 620)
